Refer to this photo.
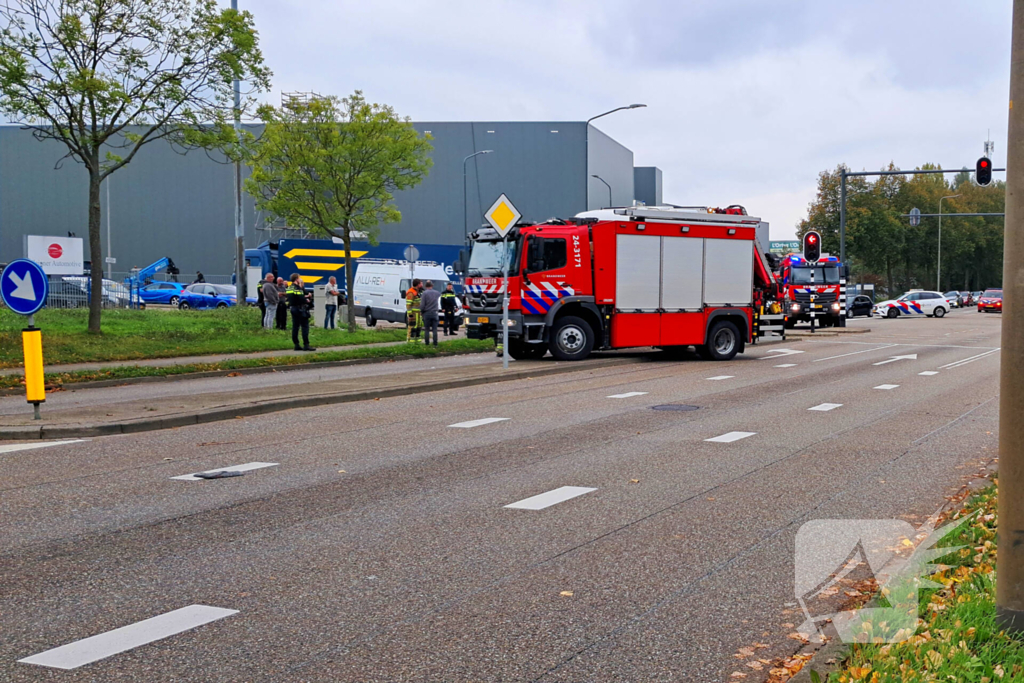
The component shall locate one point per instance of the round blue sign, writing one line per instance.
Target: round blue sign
(23, 286)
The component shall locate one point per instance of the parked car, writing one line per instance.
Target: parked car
(205, 295)
(861, 305)
(967, 298)
(162, 293)
(65, 294)
(991, 301)
(114, 293)
(954, 299)
(932, 304)
(975, 296)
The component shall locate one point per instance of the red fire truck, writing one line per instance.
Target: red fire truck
(634, 277)
(813, 290)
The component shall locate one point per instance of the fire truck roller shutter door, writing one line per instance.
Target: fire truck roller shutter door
(682, 265)
(638, 273)
(728, 277)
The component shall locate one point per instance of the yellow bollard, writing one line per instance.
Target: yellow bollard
(32, 343)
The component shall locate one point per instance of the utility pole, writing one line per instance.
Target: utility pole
(938, 263)
(1010, 561)
(240, 270)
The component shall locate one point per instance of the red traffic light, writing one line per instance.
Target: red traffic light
(812, 239)
(983, 171)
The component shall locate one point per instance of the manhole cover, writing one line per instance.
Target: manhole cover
(677, 407)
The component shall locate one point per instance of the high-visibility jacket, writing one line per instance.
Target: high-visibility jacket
(448, 301)
(412, 308)
(296, 297)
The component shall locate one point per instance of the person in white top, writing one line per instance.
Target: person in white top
(331, 307)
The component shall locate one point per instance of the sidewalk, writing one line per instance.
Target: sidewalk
(189, 360)
(186, 403)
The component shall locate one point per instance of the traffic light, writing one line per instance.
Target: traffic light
(812, 246)
(983, 171)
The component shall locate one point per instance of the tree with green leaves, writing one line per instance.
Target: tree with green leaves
(331, 167)
(108, 77)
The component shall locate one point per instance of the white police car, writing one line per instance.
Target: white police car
(932, 304)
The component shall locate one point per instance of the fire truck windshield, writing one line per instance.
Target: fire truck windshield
(488, 259)
(828, 275)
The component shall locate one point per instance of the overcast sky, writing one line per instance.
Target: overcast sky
(748, 100)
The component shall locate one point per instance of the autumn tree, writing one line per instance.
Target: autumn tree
(107, 77)
(331, 167)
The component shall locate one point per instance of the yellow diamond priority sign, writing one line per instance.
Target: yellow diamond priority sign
(503, 215)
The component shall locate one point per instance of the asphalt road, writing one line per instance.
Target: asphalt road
(378, 547)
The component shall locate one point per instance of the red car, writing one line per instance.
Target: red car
(991, 300)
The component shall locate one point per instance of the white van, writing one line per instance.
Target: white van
(381, 284)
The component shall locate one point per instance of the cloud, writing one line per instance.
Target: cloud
(747, 100)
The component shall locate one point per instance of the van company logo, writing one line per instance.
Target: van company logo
(834, 556)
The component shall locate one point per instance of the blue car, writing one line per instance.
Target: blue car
(162, 293)
(204, 295)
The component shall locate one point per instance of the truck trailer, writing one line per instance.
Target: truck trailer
(635, 277)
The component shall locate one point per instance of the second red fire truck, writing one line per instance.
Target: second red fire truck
(638, 277)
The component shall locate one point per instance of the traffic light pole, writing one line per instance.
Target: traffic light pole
(1010, 559)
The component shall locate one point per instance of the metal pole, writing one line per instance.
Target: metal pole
(606, 185)
(842, 216)
(1010, 560)
(110, 266)
(240, 270)
(504, 310)
(465, 199)
(586, 150)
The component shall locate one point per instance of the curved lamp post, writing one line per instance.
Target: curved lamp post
(586, 146)
(465, 211)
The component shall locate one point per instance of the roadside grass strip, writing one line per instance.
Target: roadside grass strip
(95, 648)
(825, 407)
(234, 468)
(13, 447)
(554, 497)
(957, 638)
(887, 387)
(629, 394)
(730, 437)
(478, 423)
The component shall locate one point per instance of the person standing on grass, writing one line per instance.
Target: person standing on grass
(299, 303)
(331, 307)
(429, 308)
(282, 305)
(271, 299)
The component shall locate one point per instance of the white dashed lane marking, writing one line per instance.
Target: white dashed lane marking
(886, 387)
(95, 648)
(545, 500)
(628, 394)
(730, 437)
(720, 377)
(13, 447)
(825, 407)
(965, 361)
(234, 468)
(786, 365)
(928, 373)
(477, 423)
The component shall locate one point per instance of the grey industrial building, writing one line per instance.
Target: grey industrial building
(166, 203)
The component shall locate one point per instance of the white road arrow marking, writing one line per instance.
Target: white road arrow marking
(912, 356)
(779, 353)
(23, 288)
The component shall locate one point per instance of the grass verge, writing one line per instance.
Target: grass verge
(162, 333)
(957, 638)
(55, 381)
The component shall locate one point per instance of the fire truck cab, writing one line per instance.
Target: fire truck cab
(634, 277)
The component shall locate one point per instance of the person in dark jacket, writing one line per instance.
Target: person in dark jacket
(299, 303)
(429, 307)
(448, 306)
(282, 305)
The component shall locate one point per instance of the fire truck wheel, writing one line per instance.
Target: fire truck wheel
(723, 342)
(571, 338)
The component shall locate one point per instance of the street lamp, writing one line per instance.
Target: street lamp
(938, 267)
(586, 146)
(606, 185)
(465, 211)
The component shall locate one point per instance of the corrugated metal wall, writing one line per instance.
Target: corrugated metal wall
(181, 205)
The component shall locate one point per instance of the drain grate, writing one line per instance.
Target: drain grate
(677, 407)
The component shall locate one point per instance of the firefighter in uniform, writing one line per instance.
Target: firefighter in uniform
(413, 319)
(448, 306)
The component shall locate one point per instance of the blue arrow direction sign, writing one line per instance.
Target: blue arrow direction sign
(24, 286)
